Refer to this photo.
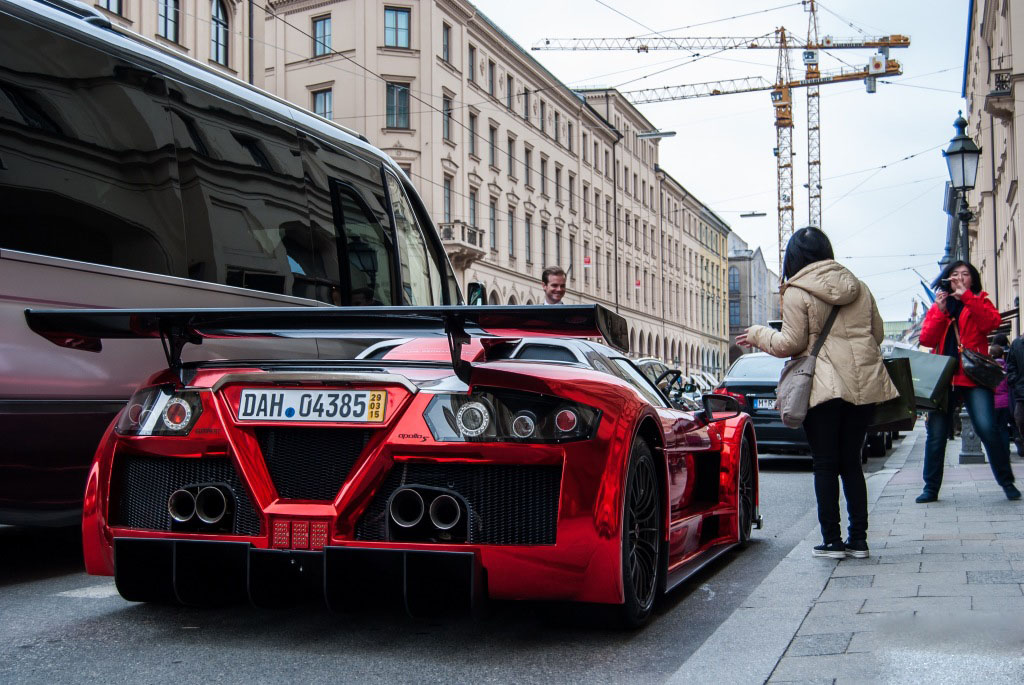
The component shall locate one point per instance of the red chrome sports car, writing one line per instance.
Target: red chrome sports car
(431, 483)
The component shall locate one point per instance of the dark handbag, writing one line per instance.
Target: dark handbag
(980, 368)
(932, 375)
(899, 413)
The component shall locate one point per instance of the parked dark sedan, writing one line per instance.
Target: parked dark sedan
(752, 380)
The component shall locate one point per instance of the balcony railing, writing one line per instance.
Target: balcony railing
(463, 243)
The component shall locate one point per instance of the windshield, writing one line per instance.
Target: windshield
(759, 367)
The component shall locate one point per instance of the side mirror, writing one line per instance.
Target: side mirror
(475, 293)
(719, 407)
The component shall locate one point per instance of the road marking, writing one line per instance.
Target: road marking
(101, 591)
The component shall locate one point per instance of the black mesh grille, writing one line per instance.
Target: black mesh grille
(310, 463)
(141, 486)
(509, 504)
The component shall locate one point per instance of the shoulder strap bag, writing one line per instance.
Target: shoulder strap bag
(794, 389)
(980, 368)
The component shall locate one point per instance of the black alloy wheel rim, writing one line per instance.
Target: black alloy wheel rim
(642, 532)
(746, 492)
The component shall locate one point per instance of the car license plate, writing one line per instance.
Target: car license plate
(764, 404)
(363, 406)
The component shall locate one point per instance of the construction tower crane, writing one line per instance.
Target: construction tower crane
(780, 40)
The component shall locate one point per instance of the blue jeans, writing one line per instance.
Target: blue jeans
(981, 409)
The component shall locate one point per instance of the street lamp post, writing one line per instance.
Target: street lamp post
(962, 157)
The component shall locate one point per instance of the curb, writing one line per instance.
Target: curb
(774, 611)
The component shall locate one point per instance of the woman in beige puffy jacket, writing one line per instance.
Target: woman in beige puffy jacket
(849, 378)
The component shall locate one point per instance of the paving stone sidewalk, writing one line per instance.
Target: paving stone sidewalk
(940, 600)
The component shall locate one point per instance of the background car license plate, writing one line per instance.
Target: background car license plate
(764, 404)
(312, 405)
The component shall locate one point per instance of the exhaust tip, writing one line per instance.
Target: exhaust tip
(181, 505)
(211, 505)
(445, 512)
(406, 508)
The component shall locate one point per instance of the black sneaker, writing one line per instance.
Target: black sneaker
(1011, 491)
(926, 497)
(858, 549)
(832, 550)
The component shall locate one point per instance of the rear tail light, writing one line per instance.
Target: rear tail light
(160, 410)
(498, 415)
(742, 399)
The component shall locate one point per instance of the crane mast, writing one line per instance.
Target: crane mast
(781, 91)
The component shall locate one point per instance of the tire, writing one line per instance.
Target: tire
(888, 441)
(876, 445)
(745, 493)
(641, 536)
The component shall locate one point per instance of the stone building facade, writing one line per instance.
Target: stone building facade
(519, 171)
(216, 32)
(753, 291)
(993, 83)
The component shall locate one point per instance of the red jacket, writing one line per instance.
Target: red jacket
(978, 318)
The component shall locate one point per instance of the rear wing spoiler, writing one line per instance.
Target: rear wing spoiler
(85, 328)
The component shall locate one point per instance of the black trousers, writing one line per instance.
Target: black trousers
(835, 431)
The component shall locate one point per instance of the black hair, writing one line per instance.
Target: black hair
(806, 246)
(1001, 340)
(975, 276)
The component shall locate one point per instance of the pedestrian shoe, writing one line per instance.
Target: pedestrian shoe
(1011, 491)
(832, 550)
(925, 497)
(858, 549)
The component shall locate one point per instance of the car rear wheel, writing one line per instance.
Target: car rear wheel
(641, 536)
(745, 498)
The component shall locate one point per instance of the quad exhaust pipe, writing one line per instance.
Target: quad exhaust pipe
(211, 505)
(407, 508)
(208, 504)
(445, 512)
(181, 505)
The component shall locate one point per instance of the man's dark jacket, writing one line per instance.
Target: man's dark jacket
(1015, 368)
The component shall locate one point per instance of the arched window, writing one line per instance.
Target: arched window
(218, 33)
(734, 279)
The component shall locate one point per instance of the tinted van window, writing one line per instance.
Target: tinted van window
(88, 169)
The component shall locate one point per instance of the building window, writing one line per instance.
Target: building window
(572, 257)
(446, 42)
(396, 27)
(543, 116)
(544, 244)
(568, 135)
(583, 147)
(472, 208)
(572, 193)
(558, 248)
(734, 313)
(543, 176)
(398, 105)
(492, 147)
(512, 232)
(447, 199)
(511, 156)
(509, 84)
(527, 159)
(471, 63)
(490, 77)
(446, 117)
(111, 5)
(472, 134)
(323, 103)
(218, 33)
(609, 264)
(734, 279)
(586, 202)
(526, 104)
(321, 36)
(492, 222)
(167, 19)
(558, 183)
(558, 127)
(528, 241)
(586, 267)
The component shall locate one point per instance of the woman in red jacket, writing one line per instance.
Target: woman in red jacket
(963, 306)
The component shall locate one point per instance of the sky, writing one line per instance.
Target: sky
(883, 174)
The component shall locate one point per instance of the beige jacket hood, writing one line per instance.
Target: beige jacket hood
(849, 365)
